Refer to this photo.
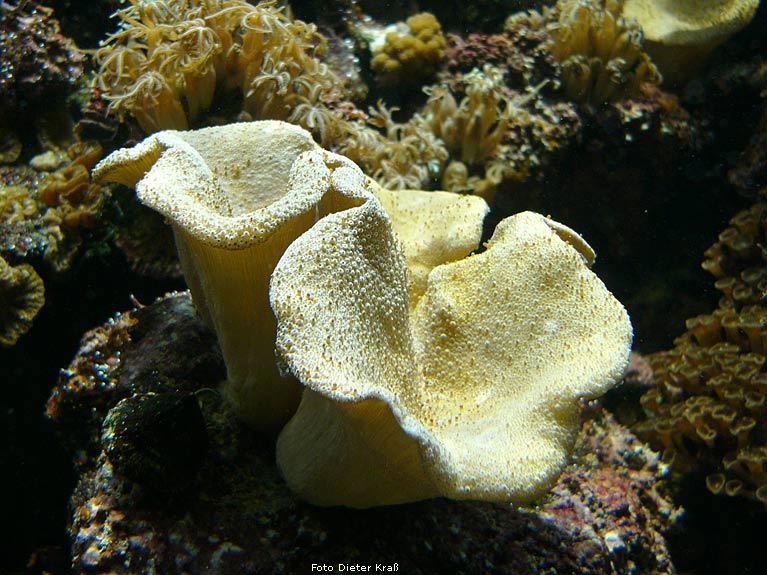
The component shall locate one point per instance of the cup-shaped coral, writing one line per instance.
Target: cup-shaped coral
(234, 209)
(425, 372)
(681, 33)
(472, 394)
(236, 197)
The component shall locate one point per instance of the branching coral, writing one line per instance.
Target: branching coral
(22, 295)
(708, 410)
(411, 53)
(600, 52)
(170, 57)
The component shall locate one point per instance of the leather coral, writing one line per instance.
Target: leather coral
(472, 394)
(407, 368)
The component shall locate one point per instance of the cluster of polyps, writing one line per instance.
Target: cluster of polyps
(165, 63)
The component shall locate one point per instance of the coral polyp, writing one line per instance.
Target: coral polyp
(170, 58)
(601, 52)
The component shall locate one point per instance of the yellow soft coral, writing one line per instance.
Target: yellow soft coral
(472, 129)
(410, 54)
(601, 53)
(421, 371)
(170, 57)
(17, 204)
(399, 156)
(680, 34)
(72, 199)
(707, 410)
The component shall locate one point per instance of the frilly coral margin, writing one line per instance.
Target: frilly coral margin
(473, 396)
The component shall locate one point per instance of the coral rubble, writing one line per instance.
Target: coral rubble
(521, 51)
(135, 352)
(615, 487)
(750, 175)
(157, 440)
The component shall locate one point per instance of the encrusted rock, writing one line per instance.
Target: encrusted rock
(242, 519)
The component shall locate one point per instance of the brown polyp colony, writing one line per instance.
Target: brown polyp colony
(708, 410)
